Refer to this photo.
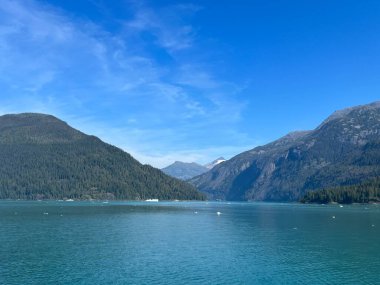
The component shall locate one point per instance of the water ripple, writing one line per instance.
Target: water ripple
(167, 243)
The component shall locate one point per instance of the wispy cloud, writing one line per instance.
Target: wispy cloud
(166, 25)
(114, 85)
(168, 146)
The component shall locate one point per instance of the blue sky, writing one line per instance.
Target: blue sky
(193, 80)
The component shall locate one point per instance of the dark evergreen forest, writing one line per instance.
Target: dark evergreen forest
(43, 158)
(366, 192)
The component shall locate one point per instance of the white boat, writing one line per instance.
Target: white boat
(151, 200)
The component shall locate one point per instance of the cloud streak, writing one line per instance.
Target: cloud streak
(166, 25)
(159, 100)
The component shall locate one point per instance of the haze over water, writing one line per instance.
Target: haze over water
(187, 243)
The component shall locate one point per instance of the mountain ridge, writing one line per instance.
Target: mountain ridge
(188, 170)
(44, 158)
(184, 170)
(285, 169)
(215, 162)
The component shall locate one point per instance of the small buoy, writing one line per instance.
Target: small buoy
(218, 213)
(46, 213)
(195, 212)
(333, 217)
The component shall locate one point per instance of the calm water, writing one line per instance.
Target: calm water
(188, 243)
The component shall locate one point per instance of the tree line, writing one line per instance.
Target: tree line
(365, 192)
(84, 169)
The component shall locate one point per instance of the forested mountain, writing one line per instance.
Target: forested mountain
(365, 192)
(44, 158)
(184, 170)
(343, 150)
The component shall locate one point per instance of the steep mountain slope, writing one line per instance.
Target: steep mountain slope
(184, 170)
(343, 150)
(43, 157)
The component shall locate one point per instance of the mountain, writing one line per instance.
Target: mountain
(343, 150)
(184, 170)
(188, 170)
(44, 158)
(214, 163)
(365, 192)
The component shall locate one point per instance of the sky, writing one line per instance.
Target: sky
(192, 80)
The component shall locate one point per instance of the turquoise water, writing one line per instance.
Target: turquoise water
(188, 243)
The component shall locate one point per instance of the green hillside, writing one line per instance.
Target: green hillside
(44, 158)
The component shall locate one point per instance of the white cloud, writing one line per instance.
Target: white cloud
(199, 155)
(197, 77)
(166, 25)
(111, 86)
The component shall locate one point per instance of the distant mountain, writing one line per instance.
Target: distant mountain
(214, 163)
(343, 150)
(44, 158)
(188, 170)
(184, 170)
